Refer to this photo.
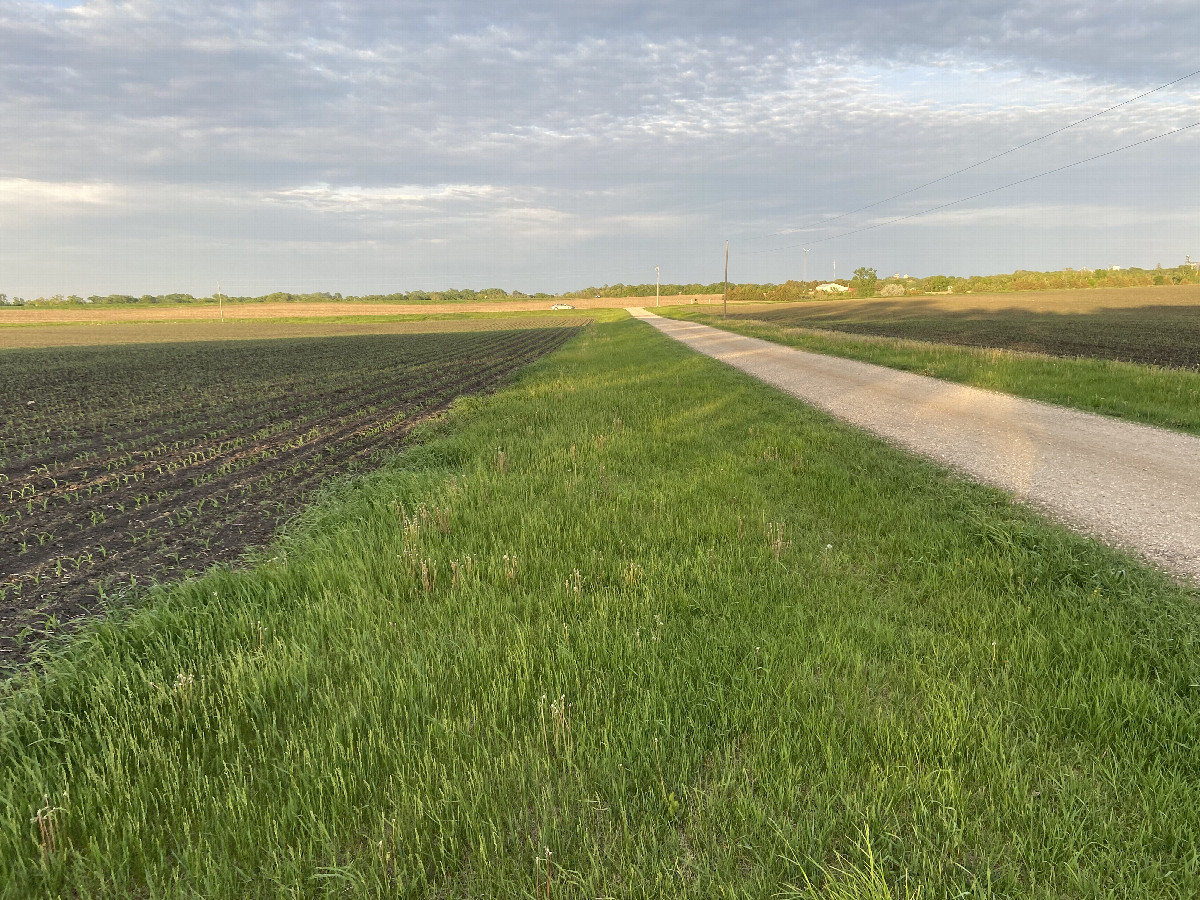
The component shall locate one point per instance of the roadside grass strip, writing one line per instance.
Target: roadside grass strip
(1152, 395)
(636, 626)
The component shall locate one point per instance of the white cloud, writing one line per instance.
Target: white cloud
(614, 131)
(400, 197)
(48, 195)
(1040, 216)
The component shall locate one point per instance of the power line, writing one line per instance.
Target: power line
(981, 162)
(982, 193)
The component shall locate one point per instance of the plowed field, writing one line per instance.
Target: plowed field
(1155, 326)
(121, 465)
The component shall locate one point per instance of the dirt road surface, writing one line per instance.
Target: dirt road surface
(1136, 487)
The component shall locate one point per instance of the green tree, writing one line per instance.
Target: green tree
(865, 281)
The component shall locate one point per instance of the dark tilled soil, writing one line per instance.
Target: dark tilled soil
(1161, 335)
(163, 463)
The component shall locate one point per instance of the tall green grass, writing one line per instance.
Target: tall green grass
(1151, 395)
(635, 626)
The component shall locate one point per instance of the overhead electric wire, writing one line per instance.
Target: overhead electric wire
(982, 162)
(980, 194)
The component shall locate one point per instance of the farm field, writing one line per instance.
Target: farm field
(92, 333)
(240, 311)
(124, 465)
(1153, 326)
(1166, 397)
(634, 625)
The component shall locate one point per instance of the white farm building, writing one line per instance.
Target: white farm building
(831, 287)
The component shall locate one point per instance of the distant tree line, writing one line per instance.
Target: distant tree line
(465, 295)
(645, 290)
(1024, 280)
(865, 283)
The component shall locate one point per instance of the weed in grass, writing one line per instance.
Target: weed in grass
(428, 575)
(44, 818)
(847, 880)
(459, 571)
(575, 583)
(776, 540)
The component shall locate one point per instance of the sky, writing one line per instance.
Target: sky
(374, 146)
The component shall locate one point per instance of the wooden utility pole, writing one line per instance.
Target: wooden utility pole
(725, 302)
(220, 302)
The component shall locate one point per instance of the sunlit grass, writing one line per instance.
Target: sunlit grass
(635, 626)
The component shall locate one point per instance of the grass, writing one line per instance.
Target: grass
(1152, 395)
(634, 626)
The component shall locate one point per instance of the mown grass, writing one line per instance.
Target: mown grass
(635, 626)
(1152, 395)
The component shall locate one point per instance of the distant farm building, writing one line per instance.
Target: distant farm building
(831, 288)
(1192, 265)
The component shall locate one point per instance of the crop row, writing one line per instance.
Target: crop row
(205, 464)
(95, 403)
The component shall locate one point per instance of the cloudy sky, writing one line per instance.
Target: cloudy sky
(379, 145)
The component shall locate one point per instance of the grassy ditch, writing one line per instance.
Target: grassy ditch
(1151, 395)
(637, 625)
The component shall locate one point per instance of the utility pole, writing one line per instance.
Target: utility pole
(725, 302)
(656, 285)
(806, 249)
(220, 302)
(835, 270)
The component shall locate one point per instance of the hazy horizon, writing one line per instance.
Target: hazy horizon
(370, 147)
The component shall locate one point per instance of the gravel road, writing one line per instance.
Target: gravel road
(1136, 487)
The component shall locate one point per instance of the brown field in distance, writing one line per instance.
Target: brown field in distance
(239, 311)
(1058, 301)
(120, 332)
